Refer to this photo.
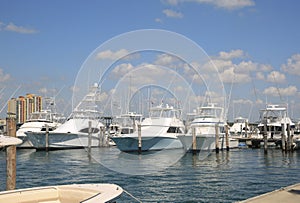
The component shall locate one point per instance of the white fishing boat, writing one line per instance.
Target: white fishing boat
(125, 124)
(239, 128)
(8, 141)
(84, 193)
(208, 121)
(82, 129)
(158, 131)
(38, 122)
(274, 116)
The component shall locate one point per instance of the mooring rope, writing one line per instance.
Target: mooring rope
(133, 197)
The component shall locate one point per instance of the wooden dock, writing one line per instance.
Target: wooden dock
(289, 194)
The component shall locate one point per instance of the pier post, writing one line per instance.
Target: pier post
(265, 138)
(11, 155)
(100, 137)
(47, 138)
(292, 140)
(289, 143)
(90, 137)
(194, 140)
(139, 138)
(217, 137)
(227, 137)
(246, 129)
(283, 137)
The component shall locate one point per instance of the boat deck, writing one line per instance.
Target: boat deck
(289, 194)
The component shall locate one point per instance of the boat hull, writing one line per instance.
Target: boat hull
(26, 144)
(130, 144)
(63, 140)
(64, 193)
(206, 143)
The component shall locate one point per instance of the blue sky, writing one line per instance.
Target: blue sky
(255, 44)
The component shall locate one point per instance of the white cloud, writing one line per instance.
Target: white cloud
(47, 91)
(171, 2)
(230, 76)
(172, 14)
(293, 65)
(245, 67)
(242, 101)
(122, 69)
(225, 4)
(229, 4)
(1, 24)
(158, 20)
(232, 54)
(19, 29)
(4, 76)
(166, 60)
(43, 90)
(276, 77)
(260, 76)
(273, 91)
(231, 72)
(108, 54)
(74, 89)
(265, 67)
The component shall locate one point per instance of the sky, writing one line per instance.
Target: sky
(254, 44)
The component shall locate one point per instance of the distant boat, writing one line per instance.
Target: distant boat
(74, 133)
(274, 116)
(123, 124)
(206, 121)
(38, 122)
(239, 127)
(158, 131)
(85, 193)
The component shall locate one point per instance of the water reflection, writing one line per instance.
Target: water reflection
(134, 163)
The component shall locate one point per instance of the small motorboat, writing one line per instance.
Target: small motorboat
(8, 141)
(83, 193)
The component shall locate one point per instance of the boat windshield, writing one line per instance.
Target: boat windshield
(210, 112)
(164, 112)
(273, 113)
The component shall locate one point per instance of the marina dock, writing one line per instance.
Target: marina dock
(288, 194)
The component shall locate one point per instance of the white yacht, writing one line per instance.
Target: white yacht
(124, 124)
(239, 127)
(274, 116)
(158, 131)
(38, 122)
(83, 125)
(207, 120)
(88, 193)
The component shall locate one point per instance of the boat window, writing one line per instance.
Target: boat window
(173, 129)
(126, 130)
(86, 130)
(44, 129)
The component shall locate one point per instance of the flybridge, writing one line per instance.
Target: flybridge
(276, 107)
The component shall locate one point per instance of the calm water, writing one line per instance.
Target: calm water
(224, 177)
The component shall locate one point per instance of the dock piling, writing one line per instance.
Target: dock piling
(11, 156)
(265, 137)
(217, 138)
(194, 140)
(246, 129)
(289, 141)
(227, 137)
(90, 137)
(139, 138)
(283, 137)
(47, 138)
